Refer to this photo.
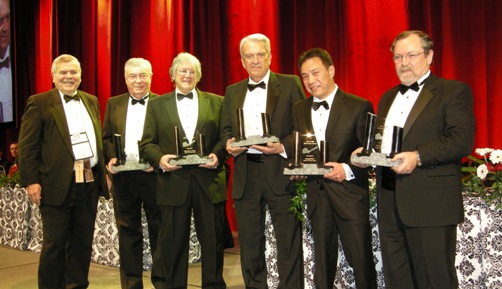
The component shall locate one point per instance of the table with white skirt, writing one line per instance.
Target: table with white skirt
(478, 261)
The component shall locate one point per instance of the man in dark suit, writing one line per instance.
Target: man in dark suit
(338, 202)
(62, 166)
(420, 200)
(258, 178)
(181, 190)
(133, 190)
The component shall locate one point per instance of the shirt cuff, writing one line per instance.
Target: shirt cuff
(349, 175)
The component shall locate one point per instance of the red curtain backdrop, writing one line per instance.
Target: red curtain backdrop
(103, 34)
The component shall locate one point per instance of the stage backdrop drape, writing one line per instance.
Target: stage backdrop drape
(103, 34)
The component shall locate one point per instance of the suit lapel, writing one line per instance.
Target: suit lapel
(423, 99)
(57, 111)
(121, 114)
(172, 112)
(335, 112)
(307, 115)
(387, 103)
(273, 93)
(92, 113)
(203, 111)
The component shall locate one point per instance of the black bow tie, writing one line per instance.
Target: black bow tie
(74, 97)
(317, 104)
(251, 87)
(180, 96)
(5, 63)
(140, 101)
(404, 88)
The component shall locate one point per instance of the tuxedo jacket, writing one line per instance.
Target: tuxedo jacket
(441, 127)
(344, 133)
(45, 150)
(282, 92)
(158, 140)
(115, 122)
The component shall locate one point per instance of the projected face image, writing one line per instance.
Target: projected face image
(6, 102)
(4, 27)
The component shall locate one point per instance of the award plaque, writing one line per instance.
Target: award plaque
(124, 164)
(242, 140)
(308, 158)
(189, 153)
(372, 144)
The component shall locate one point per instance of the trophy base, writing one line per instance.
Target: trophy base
(307, 169)
(130, 166)
(188, 160)
(375, 159)
(255, 139)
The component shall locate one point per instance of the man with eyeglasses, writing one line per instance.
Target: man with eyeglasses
(420, 200)
(181, 190)
(258, 178)
(6, 107)
(132, 190)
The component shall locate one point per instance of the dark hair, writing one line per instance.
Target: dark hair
(427, 43)
(315, 52)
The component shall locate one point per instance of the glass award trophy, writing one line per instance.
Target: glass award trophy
(242, 140)
(189, 153)
(308, 157)
(375, 150)
(123, 163)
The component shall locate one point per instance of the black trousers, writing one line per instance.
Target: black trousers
(414, 257)
(68, 231)
(171, 257)
(133, 191)
(250, 211)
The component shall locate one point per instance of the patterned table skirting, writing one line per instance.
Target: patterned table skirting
(21, 228)
(478, 260)
(479, 241)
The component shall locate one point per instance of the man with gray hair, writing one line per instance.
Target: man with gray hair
(181, 190)
(61, 164)
(132, 190)
(258, 178)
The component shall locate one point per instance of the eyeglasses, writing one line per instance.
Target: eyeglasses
(141, 76)
(186, 72)
(410, 57)
(5, 20)
(251, 56)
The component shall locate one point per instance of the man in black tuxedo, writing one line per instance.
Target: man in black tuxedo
(338, 202)
(133, 190)
(62, 166)
(258, 178)
(420, 200)
(183, 189)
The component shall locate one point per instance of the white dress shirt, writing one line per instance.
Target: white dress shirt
(320, 119)
(399, 112)
(79, 121)
(135, 120)
(188, 112)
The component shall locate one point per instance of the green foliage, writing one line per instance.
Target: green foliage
(298, 201)
(6, 181)
(489, 189)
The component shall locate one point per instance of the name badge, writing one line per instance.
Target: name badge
(81, 146)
